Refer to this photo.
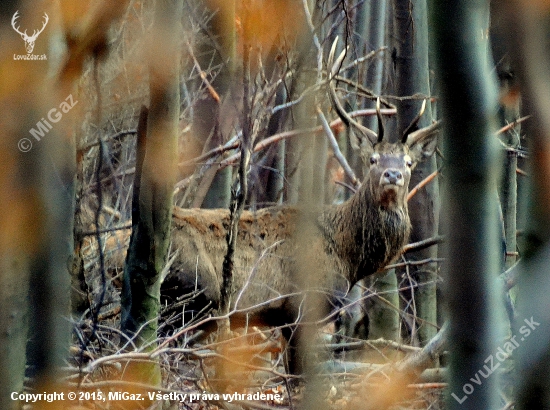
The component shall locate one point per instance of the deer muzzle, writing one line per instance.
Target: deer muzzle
(392, 176)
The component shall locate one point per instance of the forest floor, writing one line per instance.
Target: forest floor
(247, 371)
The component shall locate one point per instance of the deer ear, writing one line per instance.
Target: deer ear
(423, 142)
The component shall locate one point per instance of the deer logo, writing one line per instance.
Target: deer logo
(29, 40)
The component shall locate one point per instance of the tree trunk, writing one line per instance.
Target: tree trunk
(469, 107)
(383, 307)
(35, 244)
(383, 321)
(156, 165)
(527, 29)
(216, 119)
(412, 78)
(376, 39)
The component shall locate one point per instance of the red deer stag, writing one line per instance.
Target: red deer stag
(350, 241)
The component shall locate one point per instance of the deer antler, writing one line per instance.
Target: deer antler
(380, 121)
(423, 133)
(414, 123)
(344, 116)
(412, 134)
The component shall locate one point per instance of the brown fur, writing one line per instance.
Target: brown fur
(350, 241)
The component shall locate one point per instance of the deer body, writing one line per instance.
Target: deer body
(344, 243)
(347, 242)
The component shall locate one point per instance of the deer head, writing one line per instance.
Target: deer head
(29, 40)
(388, 165)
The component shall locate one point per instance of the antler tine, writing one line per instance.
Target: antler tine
(380, 121)
(344, 116)
(336, 65)
(422, 133)
(414, 123)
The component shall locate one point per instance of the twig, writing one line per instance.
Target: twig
(234, 144)
(427, 386)
(365, 92)
(119, 134)
(420, 360)
(521, 172)
(347, 186)
(313, 130)
(416, 246)
(202, 74)
(422, 184)
(508, 127)
(378, 344)
(231, 144)
(360, 60)
(316, 42)
(413, 263)
(106, 230)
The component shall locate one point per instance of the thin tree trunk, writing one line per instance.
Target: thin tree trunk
(383, 307)
(375, 40)
(240, 191)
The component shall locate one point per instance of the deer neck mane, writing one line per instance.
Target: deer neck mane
(366, 234)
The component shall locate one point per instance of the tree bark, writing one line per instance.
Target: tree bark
(214, 121)
(412, 79)
(469, 107)
(156, 166)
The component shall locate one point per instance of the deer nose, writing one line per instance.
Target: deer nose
(393, 176)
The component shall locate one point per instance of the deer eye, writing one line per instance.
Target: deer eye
(374, 159)
(408, 161)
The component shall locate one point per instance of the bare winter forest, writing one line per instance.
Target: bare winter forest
(275, 204)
